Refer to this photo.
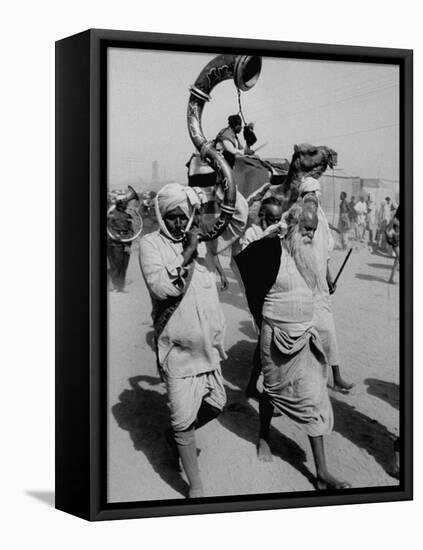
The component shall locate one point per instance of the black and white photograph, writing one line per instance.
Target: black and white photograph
(253, 275)
(208, 327)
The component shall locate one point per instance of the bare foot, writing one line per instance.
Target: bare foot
(341, 386)
(326, 481)
(264, 453)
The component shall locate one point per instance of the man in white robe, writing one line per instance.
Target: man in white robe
(179, 271)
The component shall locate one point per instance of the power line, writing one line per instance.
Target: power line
(363, 88)
(360, 131)
(288, 114)
(345, 87)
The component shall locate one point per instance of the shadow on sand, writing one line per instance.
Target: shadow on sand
(365, 277)
(364, 432)
(382, 266)
(242, 419)
(233, 296)
(248, 328)
(382, 254)
(143, 412)
(388, 391)
(145, 415)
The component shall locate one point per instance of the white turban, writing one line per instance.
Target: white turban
(170, 197)
(309, 185)
(173, 195)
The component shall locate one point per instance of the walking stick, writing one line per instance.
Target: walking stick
(260, 146)
(342, 266)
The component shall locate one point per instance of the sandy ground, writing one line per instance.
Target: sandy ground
(366, 310)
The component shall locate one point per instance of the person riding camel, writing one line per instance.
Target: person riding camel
(228, 138)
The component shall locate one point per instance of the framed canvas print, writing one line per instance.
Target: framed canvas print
(234, 318)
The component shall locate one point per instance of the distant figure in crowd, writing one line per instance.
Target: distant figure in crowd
(179, 271)
(361, 210)
(293, 361)
(118, 252)
(344, 220)
(228, 138)
(371, 221)
(392, 238)
(385, 216)
(323, 319)
(352, 216)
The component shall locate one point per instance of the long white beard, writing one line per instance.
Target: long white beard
(305, 259)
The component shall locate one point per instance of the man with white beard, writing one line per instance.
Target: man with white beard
(293, 361)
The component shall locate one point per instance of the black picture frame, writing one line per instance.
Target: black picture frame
(81, 331)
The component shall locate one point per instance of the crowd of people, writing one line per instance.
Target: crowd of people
(364, 221)
(289, 298)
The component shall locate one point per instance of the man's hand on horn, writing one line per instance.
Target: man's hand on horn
(190, 244)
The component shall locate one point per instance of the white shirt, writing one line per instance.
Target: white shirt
(361, 209)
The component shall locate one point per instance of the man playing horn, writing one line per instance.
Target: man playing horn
(293, 361)
(118, 252)
(323, 319)
(179, 271)
(228, 138)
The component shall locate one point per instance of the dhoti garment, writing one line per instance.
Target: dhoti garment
(186, 395)
(190, 349)
(295, 377)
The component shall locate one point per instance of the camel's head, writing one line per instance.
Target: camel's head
(312, 160)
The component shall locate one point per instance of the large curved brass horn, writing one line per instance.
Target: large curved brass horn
(245, 71)
(130, 195)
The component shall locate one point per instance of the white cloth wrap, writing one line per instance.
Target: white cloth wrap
(295, 376)
(171, 196)
(186, 395)
(309, 185)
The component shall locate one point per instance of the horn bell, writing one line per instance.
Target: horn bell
(131, 194)
(247, 71)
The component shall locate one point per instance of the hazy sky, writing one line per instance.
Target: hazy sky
(350, 107)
